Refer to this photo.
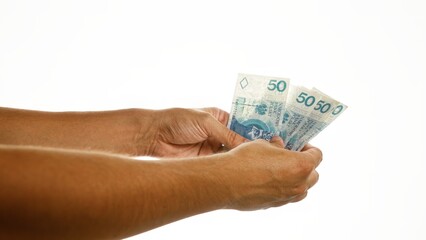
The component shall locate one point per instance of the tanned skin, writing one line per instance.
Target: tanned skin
(72, 175)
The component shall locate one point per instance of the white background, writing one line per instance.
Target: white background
(369, 54)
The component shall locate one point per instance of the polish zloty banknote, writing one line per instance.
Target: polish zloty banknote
(326, 111)
(258, 105)
(300, 103)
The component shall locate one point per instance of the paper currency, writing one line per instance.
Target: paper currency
(326, 111)
(258, 105)
(301, 102)
(267, 106)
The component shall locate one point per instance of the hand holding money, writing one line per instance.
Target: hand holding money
(265, 175)
(267, 106)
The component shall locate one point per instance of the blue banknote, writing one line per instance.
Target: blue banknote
(258, 105)
(325, 112)
(264, 107)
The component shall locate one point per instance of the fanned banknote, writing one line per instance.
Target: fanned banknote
(325, 112)
(258, 105)
(267, 106)
(300, 103)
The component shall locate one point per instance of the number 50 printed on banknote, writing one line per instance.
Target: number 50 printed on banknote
(258, 105)
(267, 106)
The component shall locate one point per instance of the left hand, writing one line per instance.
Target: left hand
(192, 132)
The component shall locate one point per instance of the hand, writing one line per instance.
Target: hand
(190, 132)
(263, 174)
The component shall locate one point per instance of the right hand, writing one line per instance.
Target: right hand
(263, 175)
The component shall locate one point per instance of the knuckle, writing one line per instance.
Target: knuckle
(299, 189)
(304, 168)
(300, 197)
(232, 137)
(205, 118)
(205, 115)
(214, 110)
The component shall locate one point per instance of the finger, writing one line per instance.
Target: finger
(312, 154)
(214, 145)
(277, 204)
(222, 149)
(224, 135)
(221, 115)
(312, 179)
(299, 197)
(306, 147)
(277, 141)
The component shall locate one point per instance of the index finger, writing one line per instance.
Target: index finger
(221, 115)
(312, 153)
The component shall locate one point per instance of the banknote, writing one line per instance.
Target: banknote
(263, 107)
(325, 112)
(301, 103)
(258, 105)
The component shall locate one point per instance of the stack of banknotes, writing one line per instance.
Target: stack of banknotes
(267, 106)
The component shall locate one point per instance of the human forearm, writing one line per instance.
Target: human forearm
(66, 194)
(112, 131)
(57, 194)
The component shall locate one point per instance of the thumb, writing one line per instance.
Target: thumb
(277, 141)
(224, 135)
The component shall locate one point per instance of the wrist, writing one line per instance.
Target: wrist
(224, 174)
(200, 183)
(173, 189)
(218, 177)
